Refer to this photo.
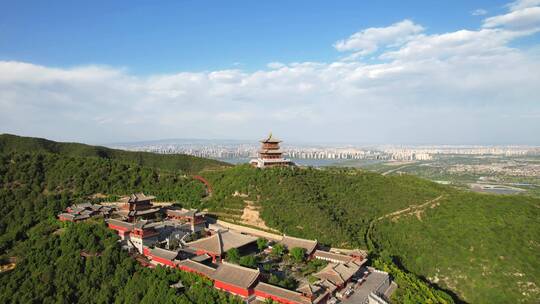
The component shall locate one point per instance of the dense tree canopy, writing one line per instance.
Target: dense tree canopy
(171, 162)
(465, 242)
(53, 271)
(36, 186)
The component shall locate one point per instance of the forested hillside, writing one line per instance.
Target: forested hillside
(485, 248)
(169, 162)
(36, 186)
(50, 269)
(340, 202)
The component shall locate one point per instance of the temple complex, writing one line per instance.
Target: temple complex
(183, 239)
(270, 154)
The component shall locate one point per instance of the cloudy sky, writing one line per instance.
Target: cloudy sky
(458, 73)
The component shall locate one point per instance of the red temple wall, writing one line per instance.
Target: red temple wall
(232, 289)
(118, 228)
(185, 268)
(162, 261)
(213, 255)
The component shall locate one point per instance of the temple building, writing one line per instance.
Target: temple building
(84, 211)
(339, 274)
(219, 243)
(235, 279)
(137, 206)
(143, 234)
(270, 154)
(291, 242)
(192, 216)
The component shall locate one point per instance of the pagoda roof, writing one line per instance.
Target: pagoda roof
(271, 151)
(270, 139)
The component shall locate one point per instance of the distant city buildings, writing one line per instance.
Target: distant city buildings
(246, 151)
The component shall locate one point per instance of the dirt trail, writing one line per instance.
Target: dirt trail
(413, 209)
(251, 216)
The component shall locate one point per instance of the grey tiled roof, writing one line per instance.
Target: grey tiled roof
(196, 266)
(292, 242)
(338, 273)
(182, 212)
(164, 253)
(120, 223)
(221, 242)
(236, 275)
(283, 293)
(137, 197)
(340, 258)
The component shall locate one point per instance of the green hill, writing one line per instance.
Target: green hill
(170, 162)
(484, 248)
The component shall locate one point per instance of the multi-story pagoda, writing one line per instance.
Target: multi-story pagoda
(270, 154)
(137, 206)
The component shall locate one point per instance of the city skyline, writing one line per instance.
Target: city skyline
(422, 73)
(242, 150)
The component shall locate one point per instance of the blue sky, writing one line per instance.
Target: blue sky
(150, 37)
(419, 72)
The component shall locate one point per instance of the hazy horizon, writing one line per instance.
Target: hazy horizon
(255, 141)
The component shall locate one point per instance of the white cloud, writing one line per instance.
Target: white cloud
(462, 43)
(479, 12)
(523, 15)
(275, 65)
(461, 86)
(521, 4)
(370, 40)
